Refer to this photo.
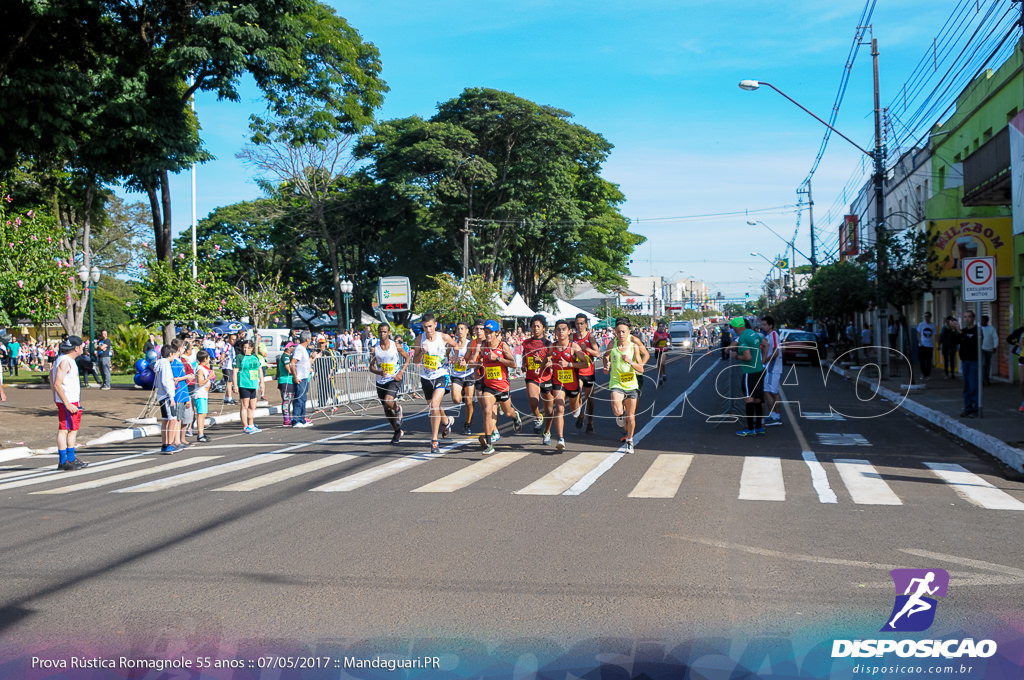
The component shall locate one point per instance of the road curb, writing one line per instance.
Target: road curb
(1010, 455)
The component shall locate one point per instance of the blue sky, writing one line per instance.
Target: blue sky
(659, 80)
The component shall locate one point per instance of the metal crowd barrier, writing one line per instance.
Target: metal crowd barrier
(343, 382)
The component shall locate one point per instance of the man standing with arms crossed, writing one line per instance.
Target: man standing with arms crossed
(302, 368)
(104, 353)
(67, 392)
(925, 345)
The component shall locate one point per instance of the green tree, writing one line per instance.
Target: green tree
(452, 300)
(168, 294)
(839, 290)
(525, 177)
(793, 311)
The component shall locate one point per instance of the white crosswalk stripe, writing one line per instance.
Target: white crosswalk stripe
(865, 485)
(664, 477)
(125, 476)
(361, 479)
(761, 479)
(973, 488)
(565, 475)
(473, 473)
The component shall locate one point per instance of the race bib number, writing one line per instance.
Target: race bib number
(566, 376)
(493, 373)
(662, 343)
(389, 369)
(627, 379)
(431, 362)
(254, 376)
(461, 366)
(532, 364)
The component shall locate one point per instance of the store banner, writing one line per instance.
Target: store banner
(965, 238)
(1017, 171)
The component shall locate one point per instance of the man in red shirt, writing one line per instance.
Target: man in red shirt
(588, 345)
(538, 378)
(661, 341)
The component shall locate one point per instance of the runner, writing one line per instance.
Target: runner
(538, 378)
(588, 343)
(429, 352)
(623, 360)
(749, 349)
(564, 358)
(772, 371)
(384, 363)
(661, 341)
(463, 374)
(496, 358)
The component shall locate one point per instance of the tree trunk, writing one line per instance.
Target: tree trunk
(160, 206)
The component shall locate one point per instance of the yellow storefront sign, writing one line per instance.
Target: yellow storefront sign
(969, 237)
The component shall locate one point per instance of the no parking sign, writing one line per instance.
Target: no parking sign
(979, 279)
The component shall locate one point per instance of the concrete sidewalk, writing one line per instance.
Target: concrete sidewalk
(999, 430)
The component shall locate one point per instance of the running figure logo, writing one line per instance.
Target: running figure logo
(914, 610)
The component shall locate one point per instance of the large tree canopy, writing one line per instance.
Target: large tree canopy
(525, 177)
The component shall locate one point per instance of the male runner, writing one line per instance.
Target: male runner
(384, 363)
(586, 341)
(538, 378)
(623, 361)
(463, 374)
(661, 341)
(429, 351)
(564, 359)
(496, 357)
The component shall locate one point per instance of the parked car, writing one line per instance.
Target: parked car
(798, 346)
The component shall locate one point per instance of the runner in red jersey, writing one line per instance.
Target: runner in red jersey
(588, 343)
(538, 377)
(565, 358)
(661, 341)
(496, 358)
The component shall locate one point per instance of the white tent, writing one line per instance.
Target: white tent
(566, 310)
(502, 307)
(517, 308)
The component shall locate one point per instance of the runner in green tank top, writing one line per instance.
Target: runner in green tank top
(624, 362)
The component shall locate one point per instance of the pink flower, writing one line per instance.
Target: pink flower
(216, 247)
(17, 220)
(9, 199)
(31, 214)
(21, 284)
(181, 256)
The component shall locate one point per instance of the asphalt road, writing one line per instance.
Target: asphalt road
(303, 537)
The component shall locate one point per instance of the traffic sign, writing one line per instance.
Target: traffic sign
(979, 279)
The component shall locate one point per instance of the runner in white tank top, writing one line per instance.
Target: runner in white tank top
(431, 348)
(384, 362)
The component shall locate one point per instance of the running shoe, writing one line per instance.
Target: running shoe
(75, 465)
(398, 437)
(434, 448)
(560, 446)
(538, 425)
(304, 423)
(772, 422)
(168, 450)
(447, 429)
(203, 438)
(517, 424)
(256, 429)
(484, 441)
(488, 450)
(399, 417)
(590, 427)
(629, 446)
(248, 429)
(759, 430)
(547, 438)
(287, 422)
(579, 419)
(495, 437)
(467, 429)
(746, 433)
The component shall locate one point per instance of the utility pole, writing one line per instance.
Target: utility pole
(810, 213)
(880, 259)
(465, 249)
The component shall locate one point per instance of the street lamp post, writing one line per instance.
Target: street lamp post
(877, 156)
(346, 294)
(90, 276)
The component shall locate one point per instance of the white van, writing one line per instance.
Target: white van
(273, 340)
(681, 333)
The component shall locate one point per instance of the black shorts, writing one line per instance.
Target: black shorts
(465, 382)
(559, 387)
(247, 392)
(501, 395)
(389, 388)
(168, 411)
(545, 387)
(753, 385)
(228, 374)
(588, 380)
(287, 389)
(429, 386)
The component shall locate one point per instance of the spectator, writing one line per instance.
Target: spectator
(104, 353)
(66, 395)
(151, 344)
(925, 345)
(301, 368)
(14, 354)
(967, 335)
(989, 343)
(948, 344)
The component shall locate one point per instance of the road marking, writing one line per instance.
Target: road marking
(795, 557)
(474, 473)
(761, 479)
(663, 478)
(94, 484)
(361, 479)
(205, 473)
(322, 461)
(974, 489)
(819, 478)
(29, 473)
(839, 439)
(49, 477)
(865, 485)
(820, 415)
(563, 477)
(603, 466)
